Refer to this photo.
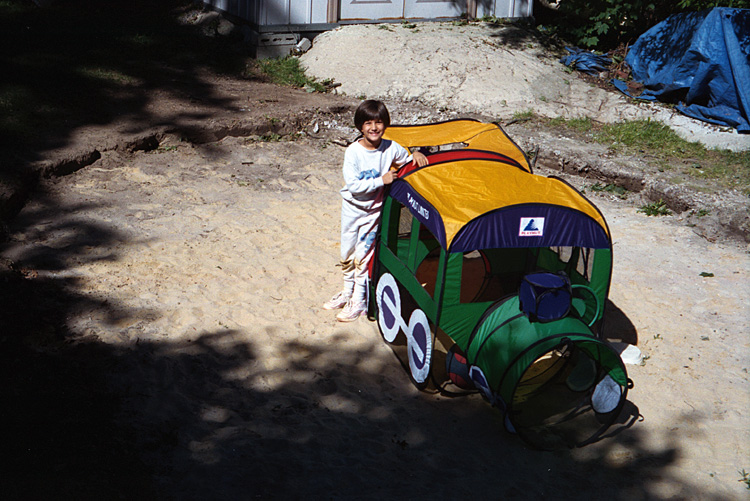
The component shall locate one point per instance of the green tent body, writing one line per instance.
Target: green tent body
(457, 238)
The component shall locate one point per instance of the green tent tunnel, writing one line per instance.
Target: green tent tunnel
(457, 238)
(545, 376)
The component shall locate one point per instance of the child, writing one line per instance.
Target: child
(367, 168)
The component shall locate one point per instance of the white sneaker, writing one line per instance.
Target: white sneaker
(337, 301)
(352, 311)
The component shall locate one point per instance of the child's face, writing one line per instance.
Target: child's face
(372, 131)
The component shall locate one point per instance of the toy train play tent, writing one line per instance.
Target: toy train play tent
(479, 259)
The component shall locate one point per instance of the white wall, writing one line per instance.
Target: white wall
(303, 12)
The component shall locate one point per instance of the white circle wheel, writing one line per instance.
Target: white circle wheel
(389, 307)
(419, 344)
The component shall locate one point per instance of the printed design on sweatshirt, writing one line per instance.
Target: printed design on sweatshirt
(368, 174)
(368, 239)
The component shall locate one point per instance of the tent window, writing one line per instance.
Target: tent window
(396, 229)
(416, 247)
(474, 274)
(488, 275)
(491, 274)
(404, 222)
(576, 259)
(428, 270)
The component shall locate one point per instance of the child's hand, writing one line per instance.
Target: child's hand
(388, 177)
(420, 159)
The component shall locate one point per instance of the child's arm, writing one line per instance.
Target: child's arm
(420, 159)
(360, 179)
(388, 177)
(417, 157)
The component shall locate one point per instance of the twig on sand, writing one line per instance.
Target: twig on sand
(518, 120)
(341, 142)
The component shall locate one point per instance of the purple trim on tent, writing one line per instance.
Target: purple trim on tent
(601, 214)
(531, 225)
(420, 208)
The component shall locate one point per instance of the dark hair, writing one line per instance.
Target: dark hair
(371, 110)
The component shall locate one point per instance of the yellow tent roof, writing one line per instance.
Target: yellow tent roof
(465, 190)
(476, 135)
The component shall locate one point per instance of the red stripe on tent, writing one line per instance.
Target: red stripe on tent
(454, 155)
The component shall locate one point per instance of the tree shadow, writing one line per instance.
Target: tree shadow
(218, 417)
(173, 421)
(59, 403)
(212, 418)
(78, 63)
(523, 35)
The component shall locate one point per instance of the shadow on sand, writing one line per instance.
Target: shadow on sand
(197, 420)
(209, 418)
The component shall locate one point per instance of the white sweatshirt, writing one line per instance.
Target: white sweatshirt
(363, 170)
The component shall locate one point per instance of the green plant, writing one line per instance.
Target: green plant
(11, 7)
(649, 134)
(523, 115)
(700, 212)
(610, 188)
(656, 209)
(492, 20)
(605, 24)
(579, 124)
(287, 71)
(653, 139)
(165, 149)
(745, 478)
(707, 4)
(729, 168)
(105, 75)
(271, 137)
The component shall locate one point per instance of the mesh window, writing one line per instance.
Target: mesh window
(551, 406)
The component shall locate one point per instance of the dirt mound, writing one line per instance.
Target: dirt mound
(481, 68)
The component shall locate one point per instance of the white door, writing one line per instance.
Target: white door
(352, 10)
(431, 9)
(371, 9)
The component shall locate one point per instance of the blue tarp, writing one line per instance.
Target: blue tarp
(587, 62)
(700, 60)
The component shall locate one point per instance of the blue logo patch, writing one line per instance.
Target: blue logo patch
(531, 227)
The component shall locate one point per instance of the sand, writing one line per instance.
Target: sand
(497, 71)
(202, 269)
(172, 343)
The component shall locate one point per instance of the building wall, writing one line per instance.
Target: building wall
(311, 14)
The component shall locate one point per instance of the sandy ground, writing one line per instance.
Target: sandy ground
(493, 70)
(167, 340)
(201, 270)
